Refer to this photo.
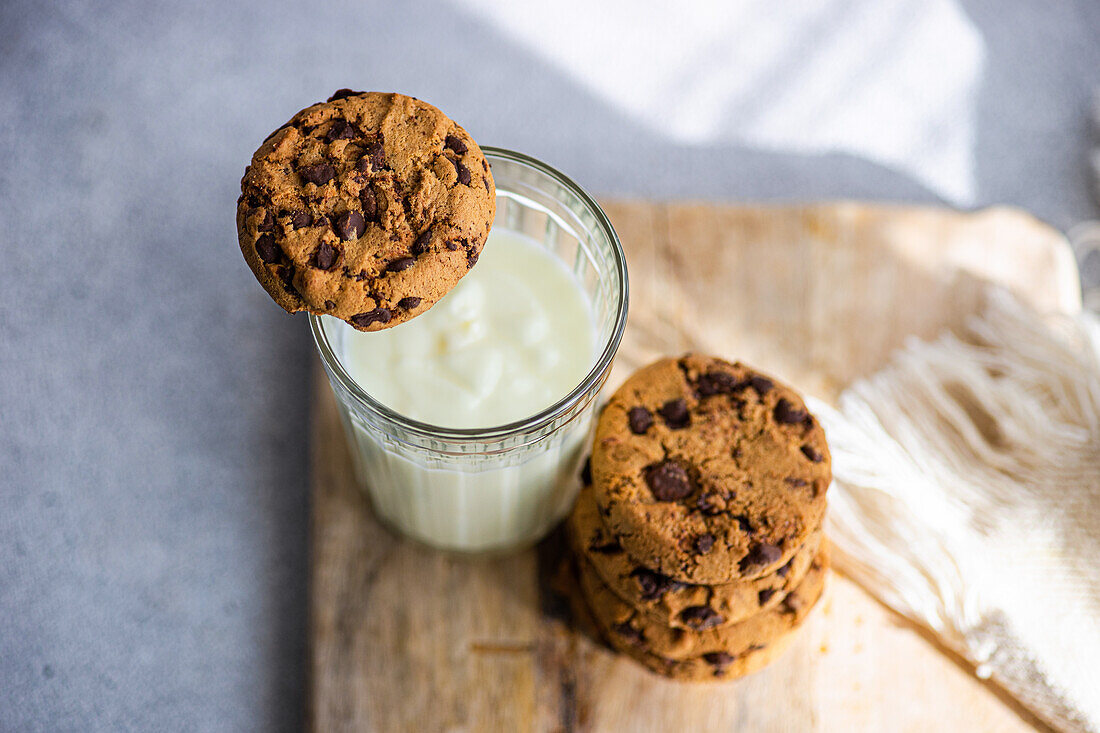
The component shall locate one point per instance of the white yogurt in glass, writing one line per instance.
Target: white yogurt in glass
(511, 339)
(468, 424)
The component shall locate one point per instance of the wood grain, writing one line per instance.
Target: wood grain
(404, 638)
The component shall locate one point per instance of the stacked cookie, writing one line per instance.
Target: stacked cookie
(698, 535)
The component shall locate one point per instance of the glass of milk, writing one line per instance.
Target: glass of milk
(468, 424)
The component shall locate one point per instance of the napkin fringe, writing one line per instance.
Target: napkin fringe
(967, 497)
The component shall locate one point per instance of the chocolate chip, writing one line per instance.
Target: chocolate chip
(640, 420)
(253, 200)
(299, 219)
(267, 249)
(611, 548)
(796, 482)
(649, 583)
(744, 523)
(711, 502)
(810, 452)
(701, 618)
(654, 585)
(721, 660)
(341, 93)
(369, 202)
(782, 572)
(325, 257)
(668, 481)
(420, 246)
(761, 554)
(486, 182)
(629, 633)
(378, 315)
(377, 151)
(286, 274)
(374, 156)
(793, 603)
(408, 303)
(318, 174)
(676, 415)
(330, 304)
(765, 595)
(451, 245)
(704, 543)
(341, 130)
(268, 223)
(786, 413)
(462, 171)
(455, 143)
(471, 257)
(713, 383)
(586, 471)
(762, 385)
(350, 225)
(402, 264)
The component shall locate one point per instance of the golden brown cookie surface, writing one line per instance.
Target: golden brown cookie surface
(671, 602)
(709, 472)
(716, 667)
(368, 207)
(631, 633)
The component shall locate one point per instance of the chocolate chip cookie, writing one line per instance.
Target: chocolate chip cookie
(630, 632)
(709, 472)
(663, 600)
(714, 667)
(368, 207)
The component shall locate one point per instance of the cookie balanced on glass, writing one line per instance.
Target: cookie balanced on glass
(466, 303)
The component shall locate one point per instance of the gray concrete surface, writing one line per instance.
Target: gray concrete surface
(153, 401)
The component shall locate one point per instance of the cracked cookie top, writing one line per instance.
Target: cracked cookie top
(368, 207)
(709, 472)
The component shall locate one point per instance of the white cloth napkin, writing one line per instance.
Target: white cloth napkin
(967, 497)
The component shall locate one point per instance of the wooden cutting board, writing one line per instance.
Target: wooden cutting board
(403, 638)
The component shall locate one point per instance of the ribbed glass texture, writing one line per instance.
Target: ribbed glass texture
(492, 489)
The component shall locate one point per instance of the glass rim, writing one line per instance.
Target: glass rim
(543, 418)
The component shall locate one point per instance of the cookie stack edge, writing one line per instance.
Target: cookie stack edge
(697, 539)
